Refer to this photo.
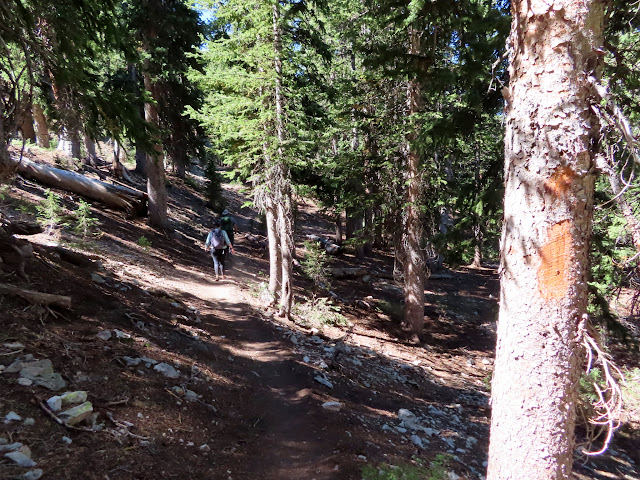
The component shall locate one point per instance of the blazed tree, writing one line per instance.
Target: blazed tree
(549, 151)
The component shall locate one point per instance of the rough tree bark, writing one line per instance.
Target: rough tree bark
(414, 268)
(550, 134)
(155, 164)
(282, 177)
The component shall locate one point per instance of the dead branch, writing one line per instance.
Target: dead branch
(37, 297)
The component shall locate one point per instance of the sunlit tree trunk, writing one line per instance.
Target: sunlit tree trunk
(42, 127)
(283, 197)
(550, 136)
(414, 269)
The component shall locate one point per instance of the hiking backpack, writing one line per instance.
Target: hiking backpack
(226, 224)
(217, 239)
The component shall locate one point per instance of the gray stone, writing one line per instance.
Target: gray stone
(13, 345)
(148, 361)
(178, 390)
(12, 417)
(98, 278)
(167, 370)
(131, 362)
(11, 447)
(324, 381)
(77, 414)
(34, 474)
(334, 406)
(28, 422)
(409, 419)
(25, 382)
(121, 334)
(41, 373)
(190, 395)
(67, 440)
(21, 459)
(417, 441)
(71, 398)
(16, 366)
(55, 403)
(104, 335)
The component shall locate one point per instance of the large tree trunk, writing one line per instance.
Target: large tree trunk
(547, 222)
(25, 123)
(69, 143)
(42, 127)
(282, 178)
(414, 269)
(155, 165)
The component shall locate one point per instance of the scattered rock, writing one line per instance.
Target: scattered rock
(55, 403)
(12, 417)
(28, 422)
(21, 459)
(205, 448)
(417, 441)
(67, 440)
(11, 447)
(190, 395)
(98, 279)
(41, 373)
(104, 335)
(148, 361)
(178, 390)
(323, 380)
(25, 382)
(122, 335)
(409, 419)
(77, 414)
(34, 474)
(167, 370)
(13, 346)
(334, 406)
(131, 362)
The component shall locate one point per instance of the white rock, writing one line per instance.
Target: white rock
(29, 422)
(12, 417)
(167, 370)
(334, 406)
(34, 474)
(21, 459)
(71, 398)
(306, 359)
(121, 334)
(131, 362)
(205, 448)
(13, 345)
(55, 403)
(25, 382)
(67, 440)
(104, 335)
(453, 476)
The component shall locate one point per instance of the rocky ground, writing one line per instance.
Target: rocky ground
(185, 377)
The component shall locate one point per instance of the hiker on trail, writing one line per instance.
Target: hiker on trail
(228, 224)
(218, 240)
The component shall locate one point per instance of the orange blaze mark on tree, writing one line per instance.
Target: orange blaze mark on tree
(560, 181)
(555, 257)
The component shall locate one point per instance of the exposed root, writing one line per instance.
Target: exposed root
(607, 409)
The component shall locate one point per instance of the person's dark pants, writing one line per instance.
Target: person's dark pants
(230, 234)
(218, 256)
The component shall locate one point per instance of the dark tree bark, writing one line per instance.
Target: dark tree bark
(414, 268)
(155, 165)
(550, 135)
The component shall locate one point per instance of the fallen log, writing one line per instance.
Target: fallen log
(130, 200)
(37, 297)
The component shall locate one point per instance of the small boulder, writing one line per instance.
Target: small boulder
(167, 370)
(21, 459)
(77, 414)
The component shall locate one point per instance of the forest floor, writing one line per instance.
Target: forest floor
(249, 395)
